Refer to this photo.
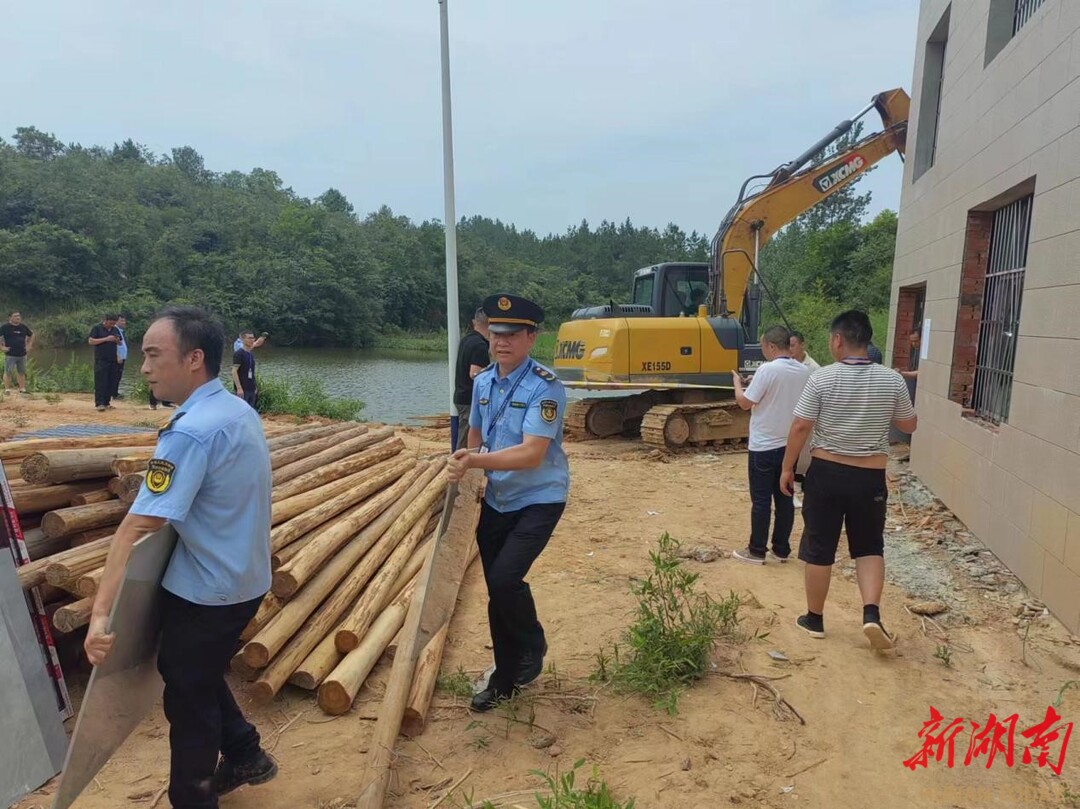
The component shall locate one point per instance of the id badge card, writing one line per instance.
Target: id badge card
(483, 449)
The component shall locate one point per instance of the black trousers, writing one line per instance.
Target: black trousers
(509, 543)
(196, 644)
(764, 471)
(103, 381)
(117, 374)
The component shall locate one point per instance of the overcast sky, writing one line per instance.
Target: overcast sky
(563, 109)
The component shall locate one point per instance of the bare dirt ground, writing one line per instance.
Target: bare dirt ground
(726, 746)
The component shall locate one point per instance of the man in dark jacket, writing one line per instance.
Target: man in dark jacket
(473, 357)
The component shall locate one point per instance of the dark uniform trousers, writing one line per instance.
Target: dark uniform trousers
(197, 643)
(103, 381)
(509, 543)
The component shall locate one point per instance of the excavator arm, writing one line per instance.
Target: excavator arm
(792, 190)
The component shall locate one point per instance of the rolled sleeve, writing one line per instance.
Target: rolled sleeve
(545, 412)
(809, 405)
(184, 461)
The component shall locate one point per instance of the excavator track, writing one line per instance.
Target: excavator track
(594, 418)
(680, 426)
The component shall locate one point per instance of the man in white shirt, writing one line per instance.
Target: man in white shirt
(771, 398)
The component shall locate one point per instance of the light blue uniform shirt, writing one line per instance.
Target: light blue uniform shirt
(237, 345)
(535, 403)
(121, 347)
(210, 478)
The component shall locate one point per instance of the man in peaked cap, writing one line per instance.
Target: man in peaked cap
(515, 436)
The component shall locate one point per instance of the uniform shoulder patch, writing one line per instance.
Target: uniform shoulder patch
(549, 410)
(544, 373)
(159, 475)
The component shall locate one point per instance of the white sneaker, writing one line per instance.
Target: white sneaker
(797, 499)
(481, 683)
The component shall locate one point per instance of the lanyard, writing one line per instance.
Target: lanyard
(502, 407)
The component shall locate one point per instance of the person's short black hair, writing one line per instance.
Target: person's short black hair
(109, 316)
(197, 328)
(480, 316)
(14, 312)
(777, 336)
(854, 328)
(798, 335)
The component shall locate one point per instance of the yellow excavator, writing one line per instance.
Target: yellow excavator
(665, 361)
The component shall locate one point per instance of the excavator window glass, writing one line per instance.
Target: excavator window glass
(685, 287)
(643, 289)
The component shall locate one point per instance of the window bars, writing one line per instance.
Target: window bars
(1000, 322)
(1024, 11)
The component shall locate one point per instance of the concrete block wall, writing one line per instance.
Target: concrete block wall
(1011, 122)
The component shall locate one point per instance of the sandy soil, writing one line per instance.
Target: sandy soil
(726, 746)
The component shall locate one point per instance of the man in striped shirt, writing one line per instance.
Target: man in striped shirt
(845, 411)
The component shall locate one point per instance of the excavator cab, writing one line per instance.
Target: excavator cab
(672, 290)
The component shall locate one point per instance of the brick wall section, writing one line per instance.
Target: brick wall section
(905, 320)
(969, 307)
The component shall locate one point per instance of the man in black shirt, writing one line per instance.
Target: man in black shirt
(243, 369)
(473, 357)
(104, 338)
(18, 339)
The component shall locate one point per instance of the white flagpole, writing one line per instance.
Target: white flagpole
(452, 325)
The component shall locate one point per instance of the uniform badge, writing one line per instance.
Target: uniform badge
(503, 304)
(549, 410)
(159, 475)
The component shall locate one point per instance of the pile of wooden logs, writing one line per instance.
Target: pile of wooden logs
(353, 521)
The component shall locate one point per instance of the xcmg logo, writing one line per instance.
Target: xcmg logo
(570, 350)
(853, 165)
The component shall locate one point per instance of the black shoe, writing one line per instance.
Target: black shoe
(490, 697)
(531, 667)
(815, 629)
(229, 776)
(118, 396)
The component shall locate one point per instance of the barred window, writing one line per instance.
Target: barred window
(1000, 323)
(1024, 11)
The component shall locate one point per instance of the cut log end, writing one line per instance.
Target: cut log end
(346, 640)
(284, 585)
(262, 692)
(35, 468)
(303, 679)
(334, 698)
(256, 655)
(412, 724)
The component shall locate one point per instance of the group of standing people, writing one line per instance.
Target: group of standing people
(842, 413)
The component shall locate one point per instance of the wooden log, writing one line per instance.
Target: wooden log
(339, 689)
(22, 449)
(73, 563)
(329, 613)
(38, 546)
(66, 465)
(327, 456)
(95, 496)
(125, 466)
(423, 685)
(373, 599)
(271, 605)
(128, 487)
(325, 657)
(280, 628)
(114, 486)
(33, 574)
(241, 669)
(305, 434)
(87, 584)
(435, 595)
(71, 520)
(94, 534)
(291, 576)
(284, 457)
(279, 558)
(427, 674)
(33, 498)
(281, 535)
(71, 616)
(320, 479)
